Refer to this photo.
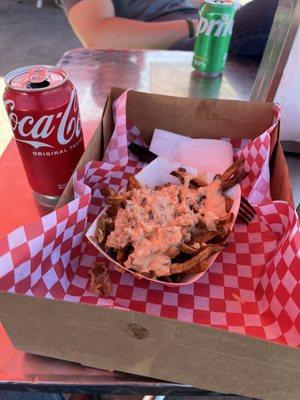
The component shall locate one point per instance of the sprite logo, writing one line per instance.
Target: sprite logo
(221, 27)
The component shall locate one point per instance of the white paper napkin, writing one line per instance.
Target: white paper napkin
(207, 155)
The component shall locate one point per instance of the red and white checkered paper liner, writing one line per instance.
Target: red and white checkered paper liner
(252, 288)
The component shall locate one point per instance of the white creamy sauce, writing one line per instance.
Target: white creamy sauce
(154, 221)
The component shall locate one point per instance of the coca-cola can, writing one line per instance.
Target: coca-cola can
(42, 107)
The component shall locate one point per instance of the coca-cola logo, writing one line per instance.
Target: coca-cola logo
(31, 131)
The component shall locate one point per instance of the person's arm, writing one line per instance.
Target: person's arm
(196, 3)
(96, 26)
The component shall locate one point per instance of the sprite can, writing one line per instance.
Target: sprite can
(216, 18)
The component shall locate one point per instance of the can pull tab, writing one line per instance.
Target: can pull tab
(37, 78)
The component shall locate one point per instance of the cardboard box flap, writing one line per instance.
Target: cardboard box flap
(204, 357)
(204, 118)
(280, 183)
(94, 151)
(189, 117)
(196, 117)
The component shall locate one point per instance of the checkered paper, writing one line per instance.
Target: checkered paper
(252, 288)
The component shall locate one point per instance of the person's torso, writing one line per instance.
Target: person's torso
(148, 10)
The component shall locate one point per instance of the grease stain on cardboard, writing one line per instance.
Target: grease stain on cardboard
(138, 331)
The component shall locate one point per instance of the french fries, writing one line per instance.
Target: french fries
(228, 203)
(188, 249)
(171, 230)
(187, 179)
(203, 254)
(100, 282)
(133, 183)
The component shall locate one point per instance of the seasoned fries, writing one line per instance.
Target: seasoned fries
(100, 282)
(171, 230)
(204, 253)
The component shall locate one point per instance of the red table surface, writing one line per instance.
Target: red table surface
(17, 204)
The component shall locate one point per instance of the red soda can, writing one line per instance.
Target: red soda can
(42, 107)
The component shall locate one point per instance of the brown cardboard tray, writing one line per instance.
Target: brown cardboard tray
(156, 347)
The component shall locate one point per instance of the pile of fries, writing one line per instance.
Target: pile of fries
(171, 230)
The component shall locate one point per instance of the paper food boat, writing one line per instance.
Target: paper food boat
(158, 173)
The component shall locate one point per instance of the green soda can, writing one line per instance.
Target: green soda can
(216, 18)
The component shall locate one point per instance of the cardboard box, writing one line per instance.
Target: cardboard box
(236, 119)
(156, 347)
